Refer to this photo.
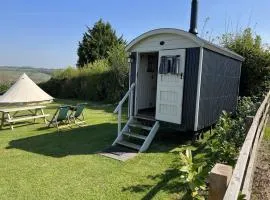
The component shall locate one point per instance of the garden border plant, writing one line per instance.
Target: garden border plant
(223, 147)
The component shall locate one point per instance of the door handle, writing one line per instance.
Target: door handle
(181, 75)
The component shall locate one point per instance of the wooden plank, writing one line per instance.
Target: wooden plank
(150, 137)
(3, 119)
(137, 125)
(32, 112)
(26, 118)
(129, 144)
(42, 112)
(9, 118)
(14, 114)
(239, 171)
(143, 117)
(120, 137)
(263, 131)
(250, 170)
(53, 118)
(6, 110)
(134, 135)
(36, 111)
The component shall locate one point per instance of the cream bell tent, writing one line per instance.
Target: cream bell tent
(25, 91)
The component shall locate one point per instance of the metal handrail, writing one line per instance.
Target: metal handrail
(118, 109)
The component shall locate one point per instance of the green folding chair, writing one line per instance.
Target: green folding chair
(77, 115)
(61, 116)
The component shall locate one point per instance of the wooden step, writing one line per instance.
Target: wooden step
(142, 137)
(145, 118)
(129, 144)
(137, 125)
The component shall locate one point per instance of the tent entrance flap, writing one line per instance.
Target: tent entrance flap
(170, 85)
(147, 84)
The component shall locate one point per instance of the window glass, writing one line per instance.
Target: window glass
(170, 64)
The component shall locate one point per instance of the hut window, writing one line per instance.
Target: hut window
(170, 64)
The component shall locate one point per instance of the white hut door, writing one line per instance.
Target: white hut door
(170, 86)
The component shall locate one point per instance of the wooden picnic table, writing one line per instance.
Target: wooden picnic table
(11, 115)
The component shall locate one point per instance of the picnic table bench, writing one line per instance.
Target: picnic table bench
(10, 115)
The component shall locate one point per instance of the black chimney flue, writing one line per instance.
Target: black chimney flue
(194, 17)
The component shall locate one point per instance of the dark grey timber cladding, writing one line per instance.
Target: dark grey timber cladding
(132, 77)
(190, 87)
(219, 87)
(132, 74)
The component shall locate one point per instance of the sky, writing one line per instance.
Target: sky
(45, 33)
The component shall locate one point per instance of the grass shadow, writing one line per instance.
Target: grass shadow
(168, 139)
(167, 181)
(89, 140)
(77, 141)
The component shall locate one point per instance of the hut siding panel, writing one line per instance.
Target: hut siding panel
(172, 41)
(132, 75)
(219, 87)
(190, 87)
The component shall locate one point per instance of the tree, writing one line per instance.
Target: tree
(255, 72)
(118, 62)
(96, 43)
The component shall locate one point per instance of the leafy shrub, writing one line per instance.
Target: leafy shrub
(193, 175)
(4, 87)
(118, 62)
(221, 148)
(65, 73)
(230, 133)
(102, 80)
(255, 72)
(246, 106)
(96, 67)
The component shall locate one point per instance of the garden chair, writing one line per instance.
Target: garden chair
(61, 116)
(77, 114)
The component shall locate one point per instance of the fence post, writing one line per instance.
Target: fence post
(219, 179)
(248, 121)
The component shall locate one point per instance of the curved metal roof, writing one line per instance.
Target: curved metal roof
(201, 42)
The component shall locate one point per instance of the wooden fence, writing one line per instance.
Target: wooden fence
(242, 177)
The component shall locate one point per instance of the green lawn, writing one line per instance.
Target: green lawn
(40, 163)
(267, 132)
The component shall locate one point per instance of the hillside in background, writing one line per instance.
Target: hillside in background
(10, 74)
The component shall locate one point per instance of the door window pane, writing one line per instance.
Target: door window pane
(170, 64)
